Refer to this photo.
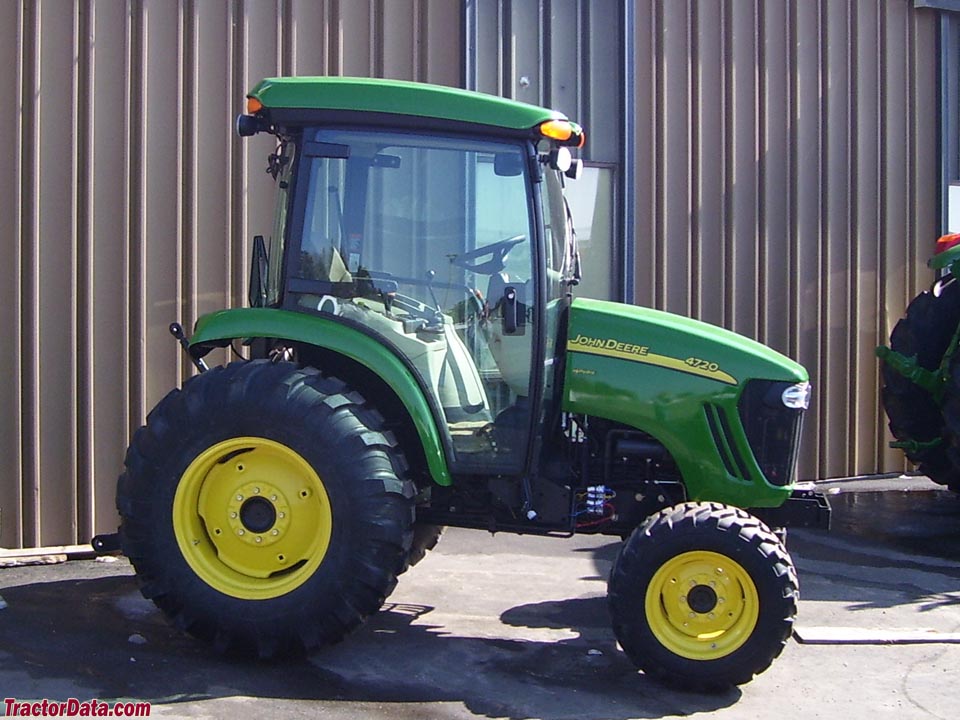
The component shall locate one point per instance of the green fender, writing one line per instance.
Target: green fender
(216, 328)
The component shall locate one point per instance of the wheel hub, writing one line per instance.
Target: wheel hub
(702, 605)
(702, 599)
(252, 517)
(257, 514)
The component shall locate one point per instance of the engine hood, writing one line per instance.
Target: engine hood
(685, 383)
(671, 349)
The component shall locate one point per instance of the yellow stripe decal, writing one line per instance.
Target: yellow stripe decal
(640, 354)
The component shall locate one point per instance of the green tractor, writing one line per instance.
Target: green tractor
(412, 358)
(921, 380)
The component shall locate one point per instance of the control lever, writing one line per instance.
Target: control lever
(431, 274)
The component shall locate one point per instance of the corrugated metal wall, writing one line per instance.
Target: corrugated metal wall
(787, 181)
(563, 54)
(128, 203)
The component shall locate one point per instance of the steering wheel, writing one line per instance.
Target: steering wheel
(498, 252)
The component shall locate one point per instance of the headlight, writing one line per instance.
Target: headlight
(797, 396)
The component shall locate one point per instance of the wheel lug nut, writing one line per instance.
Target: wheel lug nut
(683, 598)
(281, 515)
(240, 531)
(233, 515)
(273, 497)
(256, 491)
(260, 539)
(239, 497)
(275, 532)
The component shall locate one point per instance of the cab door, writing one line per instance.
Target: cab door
(428, 240)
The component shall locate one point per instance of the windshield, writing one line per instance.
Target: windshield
(412, 207)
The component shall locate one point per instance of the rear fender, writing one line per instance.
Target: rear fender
(220, 328)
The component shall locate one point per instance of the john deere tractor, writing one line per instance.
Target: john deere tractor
(413, 358)
(921, 377)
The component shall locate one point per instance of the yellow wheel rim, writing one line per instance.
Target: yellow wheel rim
(252, 518)
(702, 605)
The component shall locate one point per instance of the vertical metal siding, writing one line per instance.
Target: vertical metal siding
(129, 203)
(786, 187)
(563, 54)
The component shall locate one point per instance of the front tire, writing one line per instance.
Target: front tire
(264, 508)
(703, 596)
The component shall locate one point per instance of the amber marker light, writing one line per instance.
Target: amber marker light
(557, 129)
(946, 242)
(253, 105)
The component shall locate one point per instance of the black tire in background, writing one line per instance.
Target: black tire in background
(264, 508)
(924, 332)
(951, 416)
(703, 596)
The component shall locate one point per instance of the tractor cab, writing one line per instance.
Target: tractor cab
(450, 245)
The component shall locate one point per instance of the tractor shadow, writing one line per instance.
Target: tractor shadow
(98, 638)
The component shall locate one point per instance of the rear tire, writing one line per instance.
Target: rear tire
(264, 508)
(924, 332)
(703, 596)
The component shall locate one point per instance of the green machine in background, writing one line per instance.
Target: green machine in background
(921, 376)
(413, 358)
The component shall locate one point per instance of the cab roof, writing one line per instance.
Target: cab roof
(397, 97)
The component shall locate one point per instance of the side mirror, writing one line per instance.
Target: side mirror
(258, 273)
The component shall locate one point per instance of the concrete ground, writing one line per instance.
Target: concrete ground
(516, 627)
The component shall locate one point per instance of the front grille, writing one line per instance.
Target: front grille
(772, 429)
(733, 460)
